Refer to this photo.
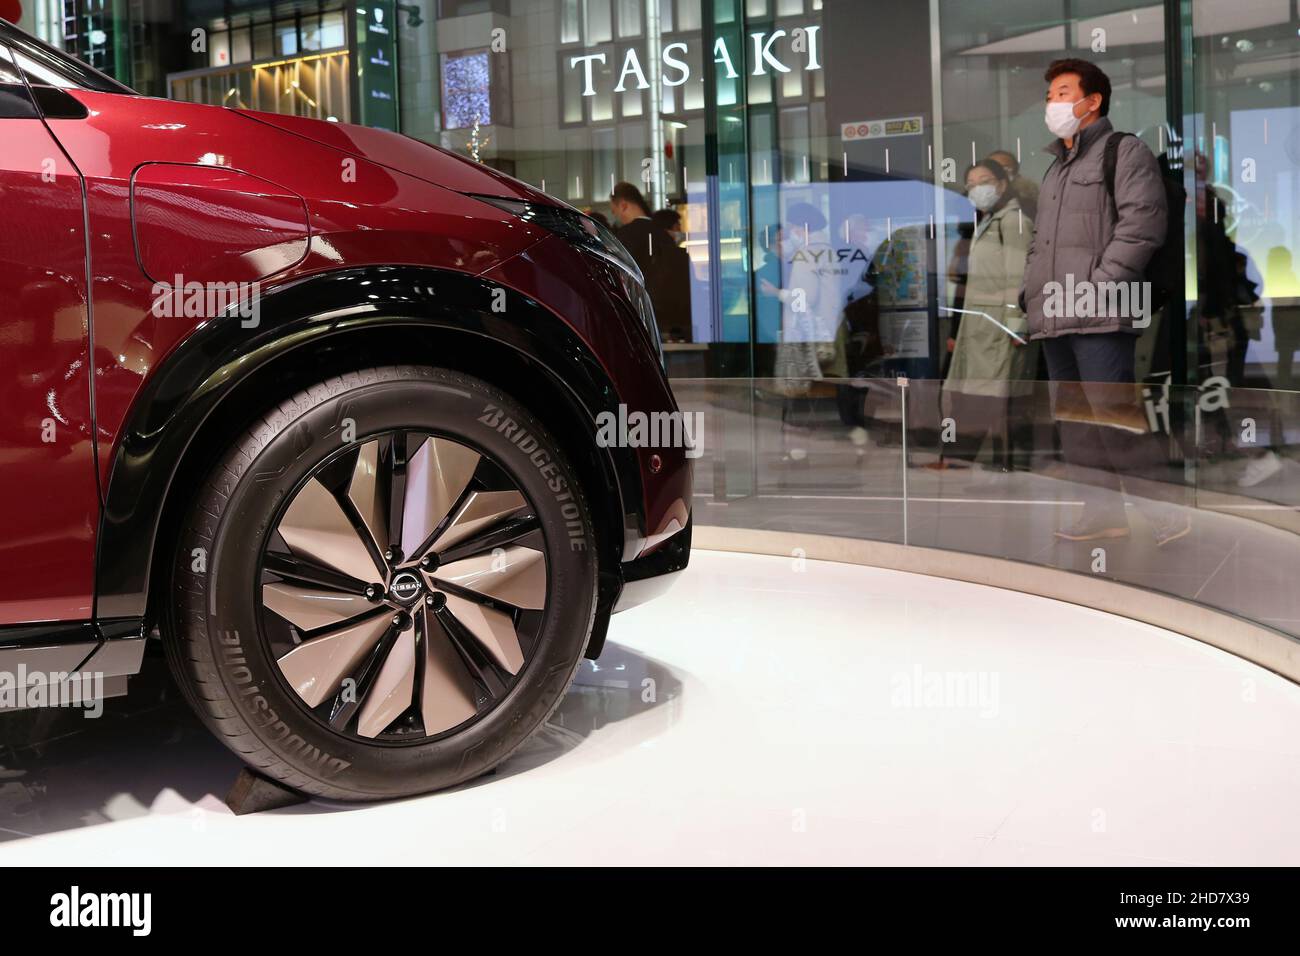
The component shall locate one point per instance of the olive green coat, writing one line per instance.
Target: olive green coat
(986, 358)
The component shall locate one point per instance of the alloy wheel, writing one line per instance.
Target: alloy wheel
(404, 587)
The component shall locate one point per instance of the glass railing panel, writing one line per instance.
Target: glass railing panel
(1247, 471)
(1136, 484)
(724, 464)
(817, 455)
(1087, 477)
(978, 463)
(1190, 492)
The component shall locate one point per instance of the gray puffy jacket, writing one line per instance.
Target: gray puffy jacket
(1080, 237)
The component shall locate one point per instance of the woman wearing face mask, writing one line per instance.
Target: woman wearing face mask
(992, 359)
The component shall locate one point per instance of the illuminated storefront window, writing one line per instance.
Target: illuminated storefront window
(283, 58)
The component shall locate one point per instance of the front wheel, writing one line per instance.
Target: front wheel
(385, 586)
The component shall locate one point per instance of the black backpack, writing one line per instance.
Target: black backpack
(1165, 270)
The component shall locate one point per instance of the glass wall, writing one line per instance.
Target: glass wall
(1245, 131)
(1243, 127)
(822, 146)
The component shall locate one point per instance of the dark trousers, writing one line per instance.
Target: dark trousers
(1104, 430)
(981, 418)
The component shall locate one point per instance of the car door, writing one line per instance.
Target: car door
(49, 501)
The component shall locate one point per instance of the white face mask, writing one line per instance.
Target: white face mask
(1061, 120)
(984, 196)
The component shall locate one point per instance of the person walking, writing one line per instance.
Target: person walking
(677, 276)
(812, 343)
(1097, 229)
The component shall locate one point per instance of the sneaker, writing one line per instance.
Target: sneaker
(1259, 470)
(858, 436)
(1169, 528)
(1093, 529)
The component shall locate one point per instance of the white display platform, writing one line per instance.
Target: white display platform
(779, 711)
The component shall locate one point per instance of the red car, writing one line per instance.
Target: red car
(318, 406)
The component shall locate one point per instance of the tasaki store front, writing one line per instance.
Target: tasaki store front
(744, 115)
(814, 149)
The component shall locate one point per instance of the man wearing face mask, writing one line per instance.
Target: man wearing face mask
(1089, 236)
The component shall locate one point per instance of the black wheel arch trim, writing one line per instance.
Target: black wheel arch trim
(295, 321)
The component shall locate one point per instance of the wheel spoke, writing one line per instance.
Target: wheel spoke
(392, 475)
(437, 477)
(447, 690)
(369, 495)
(316, 527)
(493, 629)
(316, 668)
(496, 537)
(298, 570)
(352, 692)
(312, 608)
(393, 690)
(516, 575)
(490, 678)
(480, 511)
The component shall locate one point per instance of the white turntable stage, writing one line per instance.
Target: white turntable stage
(768, 711)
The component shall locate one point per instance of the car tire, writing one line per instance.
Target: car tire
(298, 674)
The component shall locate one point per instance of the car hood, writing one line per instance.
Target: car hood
(406, 155)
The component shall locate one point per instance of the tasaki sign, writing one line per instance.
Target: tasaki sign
(780, 51)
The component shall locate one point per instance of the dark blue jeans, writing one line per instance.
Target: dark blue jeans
(1105, 434)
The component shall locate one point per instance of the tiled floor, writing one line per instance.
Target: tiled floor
(766, 711)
